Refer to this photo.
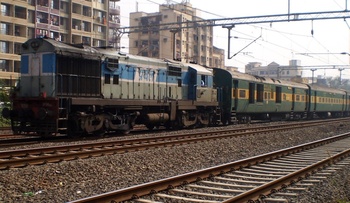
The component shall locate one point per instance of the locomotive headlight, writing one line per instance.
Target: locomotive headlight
(35, 44)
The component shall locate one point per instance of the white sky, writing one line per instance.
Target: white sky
(279, 42)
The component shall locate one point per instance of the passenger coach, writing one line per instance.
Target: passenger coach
(247, 97)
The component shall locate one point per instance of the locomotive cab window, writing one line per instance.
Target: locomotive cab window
(203, 81)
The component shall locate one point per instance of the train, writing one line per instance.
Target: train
(78, 90)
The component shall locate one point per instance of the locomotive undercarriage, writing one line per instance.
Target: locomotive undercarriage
(99, 123)
(43, 129)
(201, 117)
(184, 119)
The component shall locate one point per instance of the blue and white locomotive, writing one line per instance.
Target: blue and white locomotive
(77, 89)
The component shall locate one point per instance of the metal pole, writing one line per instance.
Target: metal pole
(174, 31)
(313, 72)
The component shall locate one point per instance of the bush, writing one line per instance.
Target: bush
(4, 102)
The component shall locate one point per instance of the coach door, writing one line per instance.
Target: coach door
(293, 99)
(235, 94)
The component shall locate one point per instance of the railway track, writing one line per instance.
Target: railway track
(5, 128)
(10, 140)
(272, 177)
(39, 156)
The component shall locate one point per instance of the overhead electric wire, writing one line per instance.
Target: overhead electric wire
(263, 39)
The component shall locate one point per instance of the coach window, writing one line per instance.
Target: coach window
(116, 79)
(297, 98)
(241, 93)
(107, 79)
(284, 97)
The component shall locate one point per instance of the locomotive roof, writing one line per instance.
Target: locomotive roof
(200, 69)
(51, 45)
(245, 76)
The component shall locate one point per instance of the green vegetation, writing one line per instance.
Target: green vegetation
(4, 102)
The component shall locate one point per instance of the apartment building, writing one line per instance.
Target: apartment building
(186, 44)
(291, 72)
(92, 22)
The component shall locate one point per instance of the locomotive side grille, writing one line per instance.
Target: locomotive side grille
(78, 77)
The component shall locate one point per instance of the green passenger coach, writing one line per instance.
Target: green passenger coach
(327, 102)
(244, 97)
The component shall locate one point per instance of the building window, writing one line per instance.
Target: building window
(4, 65)
(17, 48)
(4, 47)
(4, 29)
(5, 10)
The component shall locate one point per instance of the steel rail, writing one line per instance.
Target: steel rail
(168, 183)
(37, 156)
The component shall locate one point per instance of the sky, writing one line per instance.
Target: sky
(277, 42)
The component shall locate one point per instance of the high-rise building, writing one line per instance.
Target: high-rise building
(92, 22)
(193, 44)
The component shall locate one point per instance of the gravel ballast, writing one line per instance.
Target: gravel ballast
(71, 180)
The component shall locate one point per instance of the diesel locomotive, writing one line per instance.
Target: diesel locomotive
(76, 89)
